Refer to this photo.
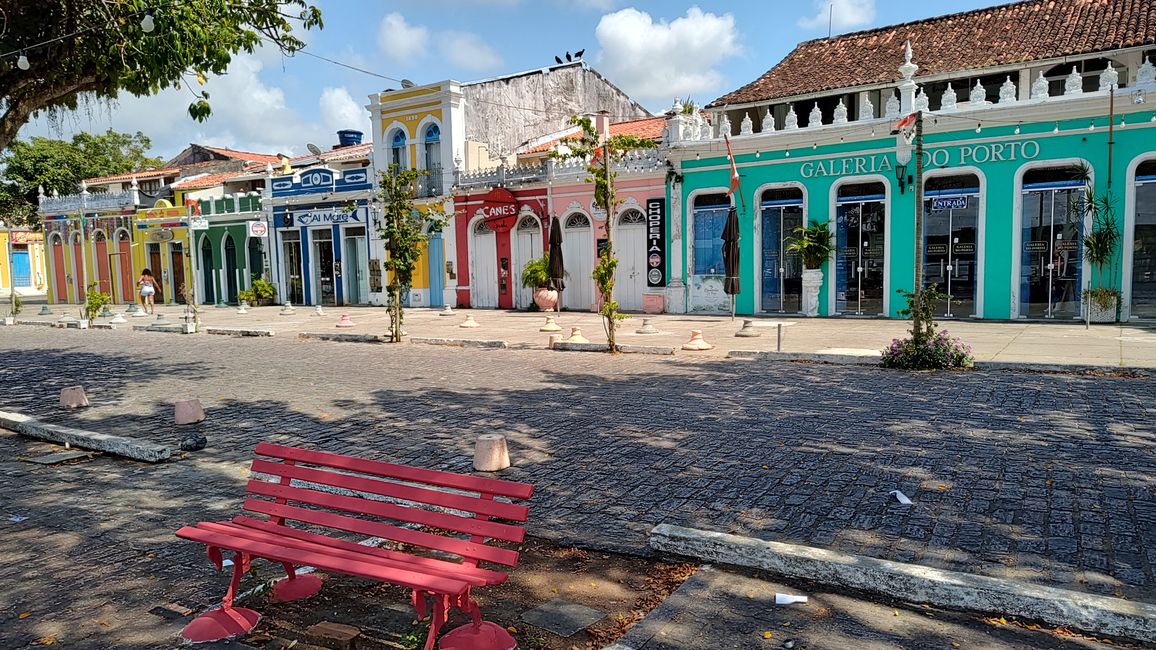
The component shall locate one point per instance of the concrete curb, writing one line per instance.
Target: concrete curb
(627, 348)
(461, 343)
(237, 331)
(121, 446)
(813, 357)
(1027, 366)
(344, 338)
(41, 323)
(651, 625)
(948, 589)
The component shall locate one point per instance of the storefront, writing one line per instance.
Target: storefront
(1003, 216)
(22, 264)
(231, 247)
(161, 243)
(498, 233)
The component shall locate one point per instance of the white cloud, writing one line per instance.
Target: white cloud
(339, 111)
(468, 51)
(401, 41)
(842, 14)
(594, 5)
(655, 61)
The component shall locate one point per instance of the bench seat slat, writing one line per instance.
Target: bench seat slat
(276, 538)
(424, 564)
(465, 503)
(404, 472)
(461, 547)
(387, 510)
(411, 579)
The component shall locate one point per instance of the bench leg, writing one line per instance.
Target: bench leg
(225, 621)
(295, 587)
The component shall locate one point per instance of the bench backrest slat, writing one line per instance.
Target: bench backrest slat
(461, 502)
(392, 511)
(466, 549)
(479, 484)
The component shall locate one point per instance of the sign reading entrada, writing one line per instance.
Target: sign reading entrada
(976, 154)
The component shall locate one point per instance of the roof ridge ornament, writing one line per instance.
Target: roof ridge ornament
(978, 95)
(1074, 84)
(949, 99)
(908, 69)
(792, 120)
(815, 118)
(1109, 78)
(1146, 73)
(768, 121)
(1040, 87)
(1007, 91)
(840, 114)
(746, 127)
(724, 126)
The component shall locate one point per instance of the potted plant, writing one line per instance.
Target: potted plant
(812, 243)
(1100, 242)
(536, 276)
(263, 291)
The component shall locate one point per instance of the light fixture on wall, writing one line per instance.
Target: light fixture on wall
(1092, 125)
(903, 178)
(757, 153)
(979, 128)
(788, 153)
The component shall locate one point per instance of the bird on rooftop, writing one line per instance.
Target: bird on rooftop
(558, 59)
(579, 53)
(568, 59)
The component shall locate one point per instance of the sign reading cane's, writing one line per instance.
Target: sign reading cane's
(656, 242)
(499, 209)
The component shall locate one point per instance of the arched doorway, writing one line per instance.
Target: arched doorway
(208, 278)
(230, 267)
(630, 249)
(100, 262)
(255, 250)
(79, 277)
(578, 257)
(484, 256)
(781, 276)
(436, 255)
(59, 269)
(124, 279)
(527, 246)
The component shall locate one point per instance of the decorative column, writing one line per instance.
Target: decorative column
(907, 85)
(675, 301)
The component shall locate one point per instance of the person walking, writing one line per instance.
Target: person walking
(148, 289)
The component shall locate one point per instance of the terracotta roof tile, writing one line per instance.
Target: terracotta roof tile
(141, 175)
(244, 155)
(1031, 30)
(203, 181)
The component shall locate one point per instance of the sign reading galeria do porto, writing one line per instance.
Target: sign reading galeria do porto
(975, 154)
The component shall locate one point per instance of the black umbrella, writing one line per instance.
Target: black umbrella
(730, 253)
(557, 271)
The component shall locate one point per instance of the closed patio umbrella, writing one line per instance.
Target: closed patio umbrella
(730, 253)
(557, 270)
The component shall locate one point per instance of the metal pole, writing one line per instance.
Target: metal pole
(779, 343)
(919, 216)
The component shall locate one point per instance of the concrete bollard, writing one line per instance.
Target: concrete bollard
(647, 327)
(287, 309)
(748, 329)
(696, 342)
(554, 338)
(188, 411)
(45, 311)
(243, 308)
(550, 326)
(469, 322)
(73, 397)
(345, 321)
(118, 319)
(446, 311)
(318, 311)
(490, 453)
(576, 336)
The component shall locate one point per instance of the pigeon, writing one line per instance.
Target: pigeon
(558, 59)
(579, 53)
(568, 59)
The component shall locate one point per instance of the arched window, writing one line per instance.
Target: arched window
(432, 141)
(397, 149)
(528, 223)
(577, 221)
(631, 217)
(482, 228)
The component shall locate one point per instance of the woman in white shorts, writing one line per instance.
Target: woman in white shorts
(148, 289)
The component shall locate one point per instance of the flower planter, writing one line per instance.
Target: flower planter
(9, 320)
(812, 283)
(1102, 314)
(546, 299)
(82, 324)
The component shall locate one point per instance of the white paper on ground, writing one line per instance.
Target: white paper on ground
(900, 497)
(789, 599)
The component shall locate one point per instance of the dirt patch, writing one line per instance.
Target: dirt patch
(626, 588)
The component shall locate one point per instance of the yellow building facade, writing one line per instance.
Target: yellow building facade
(22, 263)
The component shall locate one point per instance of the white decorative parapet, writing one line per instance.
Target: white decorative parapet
(1146, 73)
(792, 120)
(840, 115)
(768, 122)
(1040, 87)
(922, 103)
(88, 201)
(1109, 78)
(1007, 92)
(978, 96)
(1074, 84)
(866, 110)
(746, 127)
(891, 108)
(949, 99)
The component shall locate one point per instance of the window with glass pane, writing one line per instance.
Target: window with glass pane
(1144, 245)
(709, 221)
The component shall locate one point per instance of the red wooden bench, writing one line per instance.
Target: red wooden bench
(446, 564)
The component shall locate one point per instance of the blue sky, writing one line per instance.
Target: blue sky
(654, 50)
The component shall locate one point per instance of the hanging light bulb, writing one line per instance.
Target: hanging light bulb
(788, 154)
(697, 155)
(1057, 129)
(872, 132)
(1017, 131)
(1153, 118)
(1123, 122)
(814, 145)
(22, 62)
(147, 23)
(1092, 125)
(979, 127)
(757, 153)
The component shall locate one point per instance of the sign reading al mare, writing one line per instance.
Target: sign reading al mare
(326, 216)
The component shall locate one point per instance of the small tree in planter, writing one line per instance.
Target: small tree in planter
(536, 276)
(94, 301)
(1100, 244)
(926, 349)
(812, 243)
(403, 235)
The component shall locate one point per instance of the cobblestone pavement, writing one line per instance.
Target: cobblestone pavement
(1042, 478)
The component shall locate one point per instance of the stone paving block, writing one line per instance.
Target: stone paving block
(335, 636)
(59, 457)
(562, 617)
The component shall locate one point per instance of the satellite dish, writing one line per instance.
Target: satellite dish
(313, 149)
(406, 83)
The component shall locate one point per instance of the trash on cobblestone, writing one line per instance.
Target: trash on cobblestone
(789, 643)
(900, 497)
(768, 634)
(789, 599)
(194, 442)
(17, 519)
(73, 397)
(345, 321)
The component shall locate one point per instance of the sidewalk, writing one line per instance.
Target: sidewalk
(1051, 343)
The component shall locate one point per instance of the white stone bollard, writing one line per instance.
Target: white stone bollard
(748, 329)
(696, 342)
(188, 411)
(446, 311)
(576, 336)
(469, 322)
(554, 338)
(73, 397)
(490, 453)
(550, 326)
(647, 327)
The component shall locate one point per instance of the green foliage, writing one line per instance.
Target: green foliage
(926, 348)
(921, 309)
(536, 273)
(59, 166)
(1102, 297)
(104, 50)
(248, 295)
(1100, 241)
(15, 304)
(94, 301)
(813, 244)
(403, 235)
(263, 289)
(600, 156)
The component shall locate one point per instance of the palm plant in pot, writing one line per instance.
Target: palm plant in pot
(812, 243)
(1100, 243)
(536, 276)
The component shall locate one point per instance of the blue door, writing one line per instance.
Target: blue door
(21, 269)
(437, 273)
